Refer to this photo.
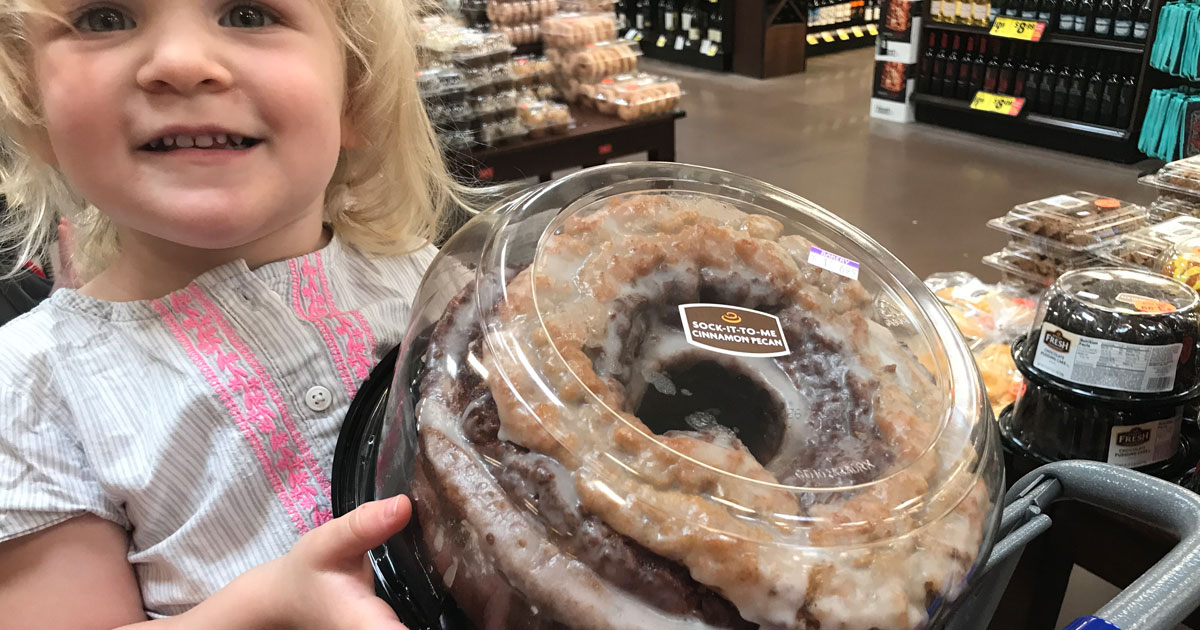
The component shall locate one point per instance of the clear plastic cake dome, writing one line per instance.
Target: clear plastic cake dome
(654, 395)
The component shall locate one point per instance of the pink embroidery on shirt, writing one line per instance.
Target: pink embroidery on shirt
(226, 364)
(299, 478)
(347, 335)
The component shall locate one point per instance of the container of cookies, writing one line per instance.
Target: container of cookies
(636, 98)
(503, 132)
(1038, 264)
(587, 6)
(653, 395)
(1079, 222)
(573, 30)
(531, 70)
(1146, 246)
(1180, 179)
(544, 118)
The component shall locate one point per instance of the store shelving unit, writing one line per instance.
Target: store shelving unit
(1119, 145)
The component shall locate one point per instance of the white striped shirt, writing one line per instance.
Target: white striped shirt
(185, 419)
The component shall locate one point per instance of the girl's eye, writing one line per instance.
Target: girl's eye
(103, 20)
(248, 16)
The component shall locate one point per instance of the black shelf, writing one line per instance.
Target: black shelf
(1050, 37)
(1075, 126)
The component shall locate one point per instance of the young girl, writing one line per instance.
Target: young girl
(255, 184)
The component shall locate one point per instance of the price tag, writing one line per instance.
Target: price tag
(712, 51)
(812, 40)
(997, 103)
(827, 36)
(662, 41)
(704, 46)
(872, 29)
(638, 37)
(858, 32)
(679, 42)
(631, 33)
(842, 34)
(1013, 28)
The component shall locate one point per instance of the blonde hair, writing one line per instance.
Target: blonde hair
(388, 193)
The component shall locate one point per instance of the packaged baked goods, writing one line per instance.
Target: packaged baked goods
(572, 30)
(529, 70)
(1080, 221)
(454, 114)
(1181, 177)
(1110, 364)
(502, 131)
(985, 313)
(1001, 377)
(457, 139)
(1146, 246)
(544, 118)
(596, 61)
(1181, 261)
(1039, 265)
(511, 12)
(636, 97)
(662, 396)
(587, 6)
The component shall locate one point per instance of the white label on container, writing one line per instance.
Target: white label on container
(832, 262)
(1125, 367)
(1065, 201)
(1144, 444)
(1176, 229)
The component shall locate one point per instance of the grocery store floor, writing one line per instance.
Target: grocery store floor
(924, 192)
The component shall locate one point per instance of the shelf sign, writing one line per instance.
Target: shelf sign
(812, 40)
(662, 41)
(997, 103)
(858, 32)
(872, 29)
(1012, 28)
(842, 34)
(827, 36)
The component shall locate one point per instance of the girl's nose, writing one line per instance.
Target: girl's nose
(183, 61)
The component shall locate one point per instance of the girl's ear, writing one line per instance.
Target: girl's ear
(351, 138)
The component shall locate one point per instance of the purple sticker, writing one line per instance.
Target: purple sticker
(832, 262)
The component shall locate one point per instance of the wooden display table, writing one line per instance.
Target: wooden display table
(594, 140)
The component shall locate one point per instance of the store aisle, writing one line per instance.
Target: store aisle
(924, 192)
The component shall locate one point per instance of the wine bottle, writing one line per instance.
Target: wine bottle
(1012, 8)
(1083, 19)
(1033, 81)
(1141, 25)
(924, 72)
(962, 11)
(1091, 96)
(1102, 25)
(963, 89)
(991, 74)
(978, 68)
(1075, 92)
(1125, 101)
(1062, 87)
(1021, 78)
(949, 10)
(950, 82)
(935, 10)
(1046, 12)
(1066, 16)
(716, 25)
(1109, 97)
(1123, 22)
(1029, 10)
(643, 18)
(1008, 70)
(939, 67)
(995, 7)
(1045, 97)
(980, 12)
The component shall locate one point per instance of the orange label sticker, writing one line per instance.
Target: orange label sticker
(1145, 304)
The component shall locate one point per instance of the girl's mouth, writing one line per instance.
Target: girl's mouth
(223, 141)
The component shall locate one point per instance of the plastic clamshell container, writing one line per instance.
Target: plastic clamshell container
(1180, 176)
(587, 6)
(1181, 261)
(440, 82)
(637, 97)
(601, 363)
(1146, 246)
(596, 61)
(528, 70)
(1080, 221)
(507, 13)
(502, 132)
(1002, 261)
(572, 30)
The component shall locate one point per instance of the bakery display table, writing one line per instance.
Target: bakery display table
(595, 139)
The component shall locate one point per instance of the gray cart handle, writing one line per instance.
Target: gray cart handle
(1158, 600)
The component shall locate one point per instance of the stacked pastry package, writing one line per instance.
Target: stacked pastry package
(1051, 236)
(597, 69)
(1176, 251)
(520, 20)
(469, 87)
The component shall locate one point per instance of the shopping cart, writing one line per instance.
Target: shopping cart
(1158, 600)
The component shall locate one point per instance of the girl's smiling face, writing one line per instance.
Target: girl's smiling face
(207, 124)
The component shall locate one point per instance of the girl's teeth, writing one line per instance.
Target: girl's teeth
(235, 140)
(168, 142)
(184, 142)
(220, 138)
(204, 142)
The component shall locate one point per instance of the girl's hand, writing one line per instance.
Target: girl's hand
(325, 581)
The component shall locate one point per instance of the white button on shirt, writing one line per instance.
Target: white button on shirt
(193, 420)
(318, 398)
